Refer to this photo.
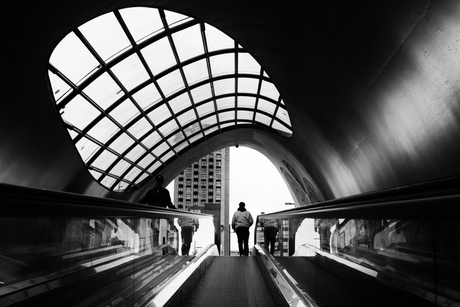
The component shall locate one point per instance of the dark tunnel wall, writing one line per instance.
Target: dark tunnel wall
(371, 89)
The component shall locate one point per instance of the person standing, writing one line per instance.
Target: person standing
(270, 226)
(158, 196)
(188, 227)
(241, 221)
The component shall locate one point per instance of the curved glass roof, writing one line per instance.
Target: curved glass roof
(140, 86)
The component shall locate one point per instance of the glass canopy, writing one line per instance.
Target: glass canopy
(140, 86)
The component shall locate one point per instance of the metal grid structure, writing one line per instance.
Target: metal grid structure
(139, 86)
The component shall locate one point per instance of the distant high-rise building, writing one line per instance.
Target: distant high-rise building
(205, 185)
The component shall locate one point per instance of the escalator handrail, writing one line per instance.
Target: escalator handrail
(285, 283)
(21, 201)
(436, 198)
(174, 283)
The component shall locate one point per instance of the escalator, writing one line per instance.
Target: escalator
(257, 280)
(61, 249)
(234, 281)
(263, 280)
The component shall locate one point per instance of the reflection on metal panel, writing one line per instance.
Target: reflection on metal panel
(401, 252)
(97, 261)
(293, 295)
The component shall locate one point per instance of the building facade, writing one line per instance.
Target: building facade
(205, 184)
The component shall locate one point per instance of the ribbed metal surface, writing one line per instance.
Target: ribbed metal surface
(232, 281)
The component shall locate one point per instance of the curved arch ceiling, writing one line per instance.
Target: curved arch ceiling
(139, 86)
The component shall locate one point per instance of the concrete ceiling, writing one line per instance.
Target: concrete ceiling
(372, 89)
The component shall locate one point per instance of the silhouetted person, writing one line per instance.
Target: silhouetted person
(270, 226)
(241, 221)
(188, 227)
(158, 196)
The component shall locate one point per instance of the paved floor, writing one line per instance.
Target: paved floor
(232, 281)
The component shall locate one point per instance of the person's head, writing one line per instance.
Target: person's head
(242, 206)
(158, 181)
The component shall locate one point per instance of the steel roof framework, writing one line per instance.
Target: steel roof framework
(127, 123)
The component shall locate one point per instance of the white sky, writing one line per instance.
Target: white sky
(255, 181)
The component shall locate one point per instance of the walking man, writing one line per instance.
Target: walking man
(241, 221)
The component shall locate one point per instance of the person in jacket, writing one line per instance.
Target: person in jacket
(158, 196)
(270, 226)
(241, 221)
(188, 227)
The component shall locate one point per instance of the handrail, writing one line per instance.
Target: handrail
(173, 285)
(284, 282)
(430, 199)
(18, 201)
